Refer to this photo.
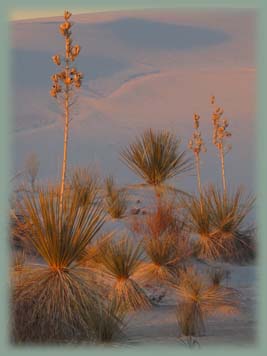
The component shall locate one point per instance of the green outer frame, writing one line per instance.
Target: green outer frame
(5, 157)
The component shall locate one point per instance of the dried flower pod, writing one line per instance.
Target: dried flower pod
(53, 93)
(56, 59)
(65, 26)
(76, 50)
(212, 99)
(67, 15)
(73, 71)
(68, 80)
(54, 78)
(78, 84)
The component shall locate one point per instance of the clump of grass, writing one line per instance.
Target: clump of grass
(55, 301)
(116, 200)
(120, 262)
(200, 298)
(166, 243)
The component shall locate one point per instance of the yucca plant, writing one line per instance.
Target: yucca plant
(120, 263)
(32, 165)
(115, 199)
(156, 157)
(199, 298)
(198, 220)
(166, 243)
(86, 182)
(108, 323)
(55, 300)
(228, 212)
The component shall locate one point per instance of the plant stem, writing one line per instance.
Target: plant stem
(223, 169)
(66, 137)
(198, 173)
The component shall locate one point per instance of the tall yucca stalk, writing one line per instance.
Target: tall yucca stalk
(220, 134)
(196, 144)
(156, 157)
(54, 300)
(69, 78)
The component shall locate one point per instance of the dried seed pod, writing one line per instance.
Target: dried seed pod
(65, 26)
(54, 78)
(56, 59)
(68, 80)
(212, 99)
(53, 93)
(67, 15)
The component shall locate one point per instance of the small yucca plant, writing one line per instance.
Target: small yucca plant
(86, 182)
(115, 199)
(54, 301)
(108, 323)
(199, 298)
(156, 157)
(228, 213)
(166, 243)
(120, 263)
(198, 219)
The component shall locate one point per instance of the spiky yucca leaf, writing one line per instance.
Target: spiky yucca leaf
(121, 261)
(199, 298)
(156, 157)
(116, 200)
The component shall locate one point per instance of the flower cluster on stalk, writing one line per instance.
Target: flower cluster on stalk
(196, 143)
(220, 125)
(68, 75)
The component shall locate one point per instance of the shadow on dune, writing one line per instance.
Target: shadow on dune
(156, 35)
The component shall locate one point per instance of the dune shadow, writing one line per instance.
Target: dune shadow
(164, 36)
